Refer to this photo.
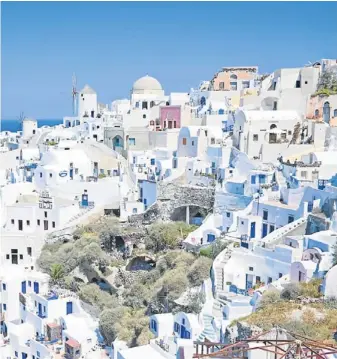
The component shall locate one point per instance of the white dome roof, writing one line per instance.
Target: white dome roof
(146, 84)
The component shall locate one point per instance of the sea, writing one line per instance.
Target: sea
(15, 125)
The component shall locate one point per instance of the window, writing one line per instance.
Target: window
(153, 161)
(270, 279)
(38, 222)
(151, 103)
(45, 214)
(28, 223)
(228, 214)
(132, 141)
(21, 256)
(3, 286)
(233, 77)
(134, 210)
(290, 219)
(5, 307)
(221, 85)
(335, 112)
(38, 354)
(40, 174)
(137, 104)
(275, 106)
(16, 354)
(192, 143)
(7, 256)
(255, 137)
(101, 171)
(144, 116)
(29, 283)
(283, 135)
(50, 175)
(316, 113)
(265, 215)
(184, 141)
(176, 327)
(306, 82)
(258, 279)
(12, 221)
(289, 133)
(304, 174)
(271, 228)
(298, 84)
(76, 171)
(144, 105)
(253, 180)
(251, 269)
(29, 251)
(53, 224)
(245, 84)
(234, 86)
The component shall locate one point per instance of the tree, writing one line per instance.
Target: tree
(269, 297)
(199, 271)
(107, 323)
(164, 236)
(291, 291)
(56, 272)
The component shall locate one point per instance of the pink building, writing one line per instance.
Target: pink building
(170, 117)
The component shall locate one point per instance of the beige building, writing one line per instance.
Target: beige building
(234, 78)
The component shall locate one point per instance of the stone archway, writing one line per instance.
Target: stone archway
(189, 214)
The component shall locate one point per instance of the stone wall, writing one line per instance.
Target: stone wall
(172, 196)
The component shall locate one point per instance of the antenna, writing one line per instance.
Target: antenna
(74, 94)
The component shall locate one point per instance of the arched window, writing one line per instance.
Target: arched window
(233, 77)
(272, 126)
(151, 103)
(335, 112)
(202, 101)
(316, 113)
(326, 112)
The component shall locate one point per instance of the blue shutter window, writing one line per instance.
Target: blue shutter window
(153, 161)
(253, 179)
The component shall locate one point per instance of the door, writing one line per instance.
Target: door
(210, 237)
(45, 223)
(36, 287)
(40, 310)
(249, 281)
(264, 229)
(183, 332)
(71, 173)
(69, 307)
(20, 224)
(23, 287)
(252, 230)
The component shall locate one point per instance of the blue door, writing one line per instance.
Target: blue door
(36, 287)
(69, 307)
(210, 237)
(40, 310)
(253, 179)
(249, 284)
(264, 229)
(182, 332)
(24, 355)
(71, 173)
(23, 287)
(252, 230)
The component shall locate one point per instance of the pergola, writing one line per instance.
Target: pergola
(281, 344)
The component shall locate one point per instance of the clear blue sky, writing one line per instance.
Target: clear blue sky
(111, 44)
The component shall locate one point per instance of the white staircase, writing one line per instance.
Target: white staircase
(208, 332)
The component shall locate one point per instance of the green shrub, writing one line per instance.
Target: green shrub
(199, 271)
(291, 291)
(269, 297)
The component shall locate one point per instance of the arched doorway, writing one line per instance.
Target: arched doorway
(326, 112)
(117, 142)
